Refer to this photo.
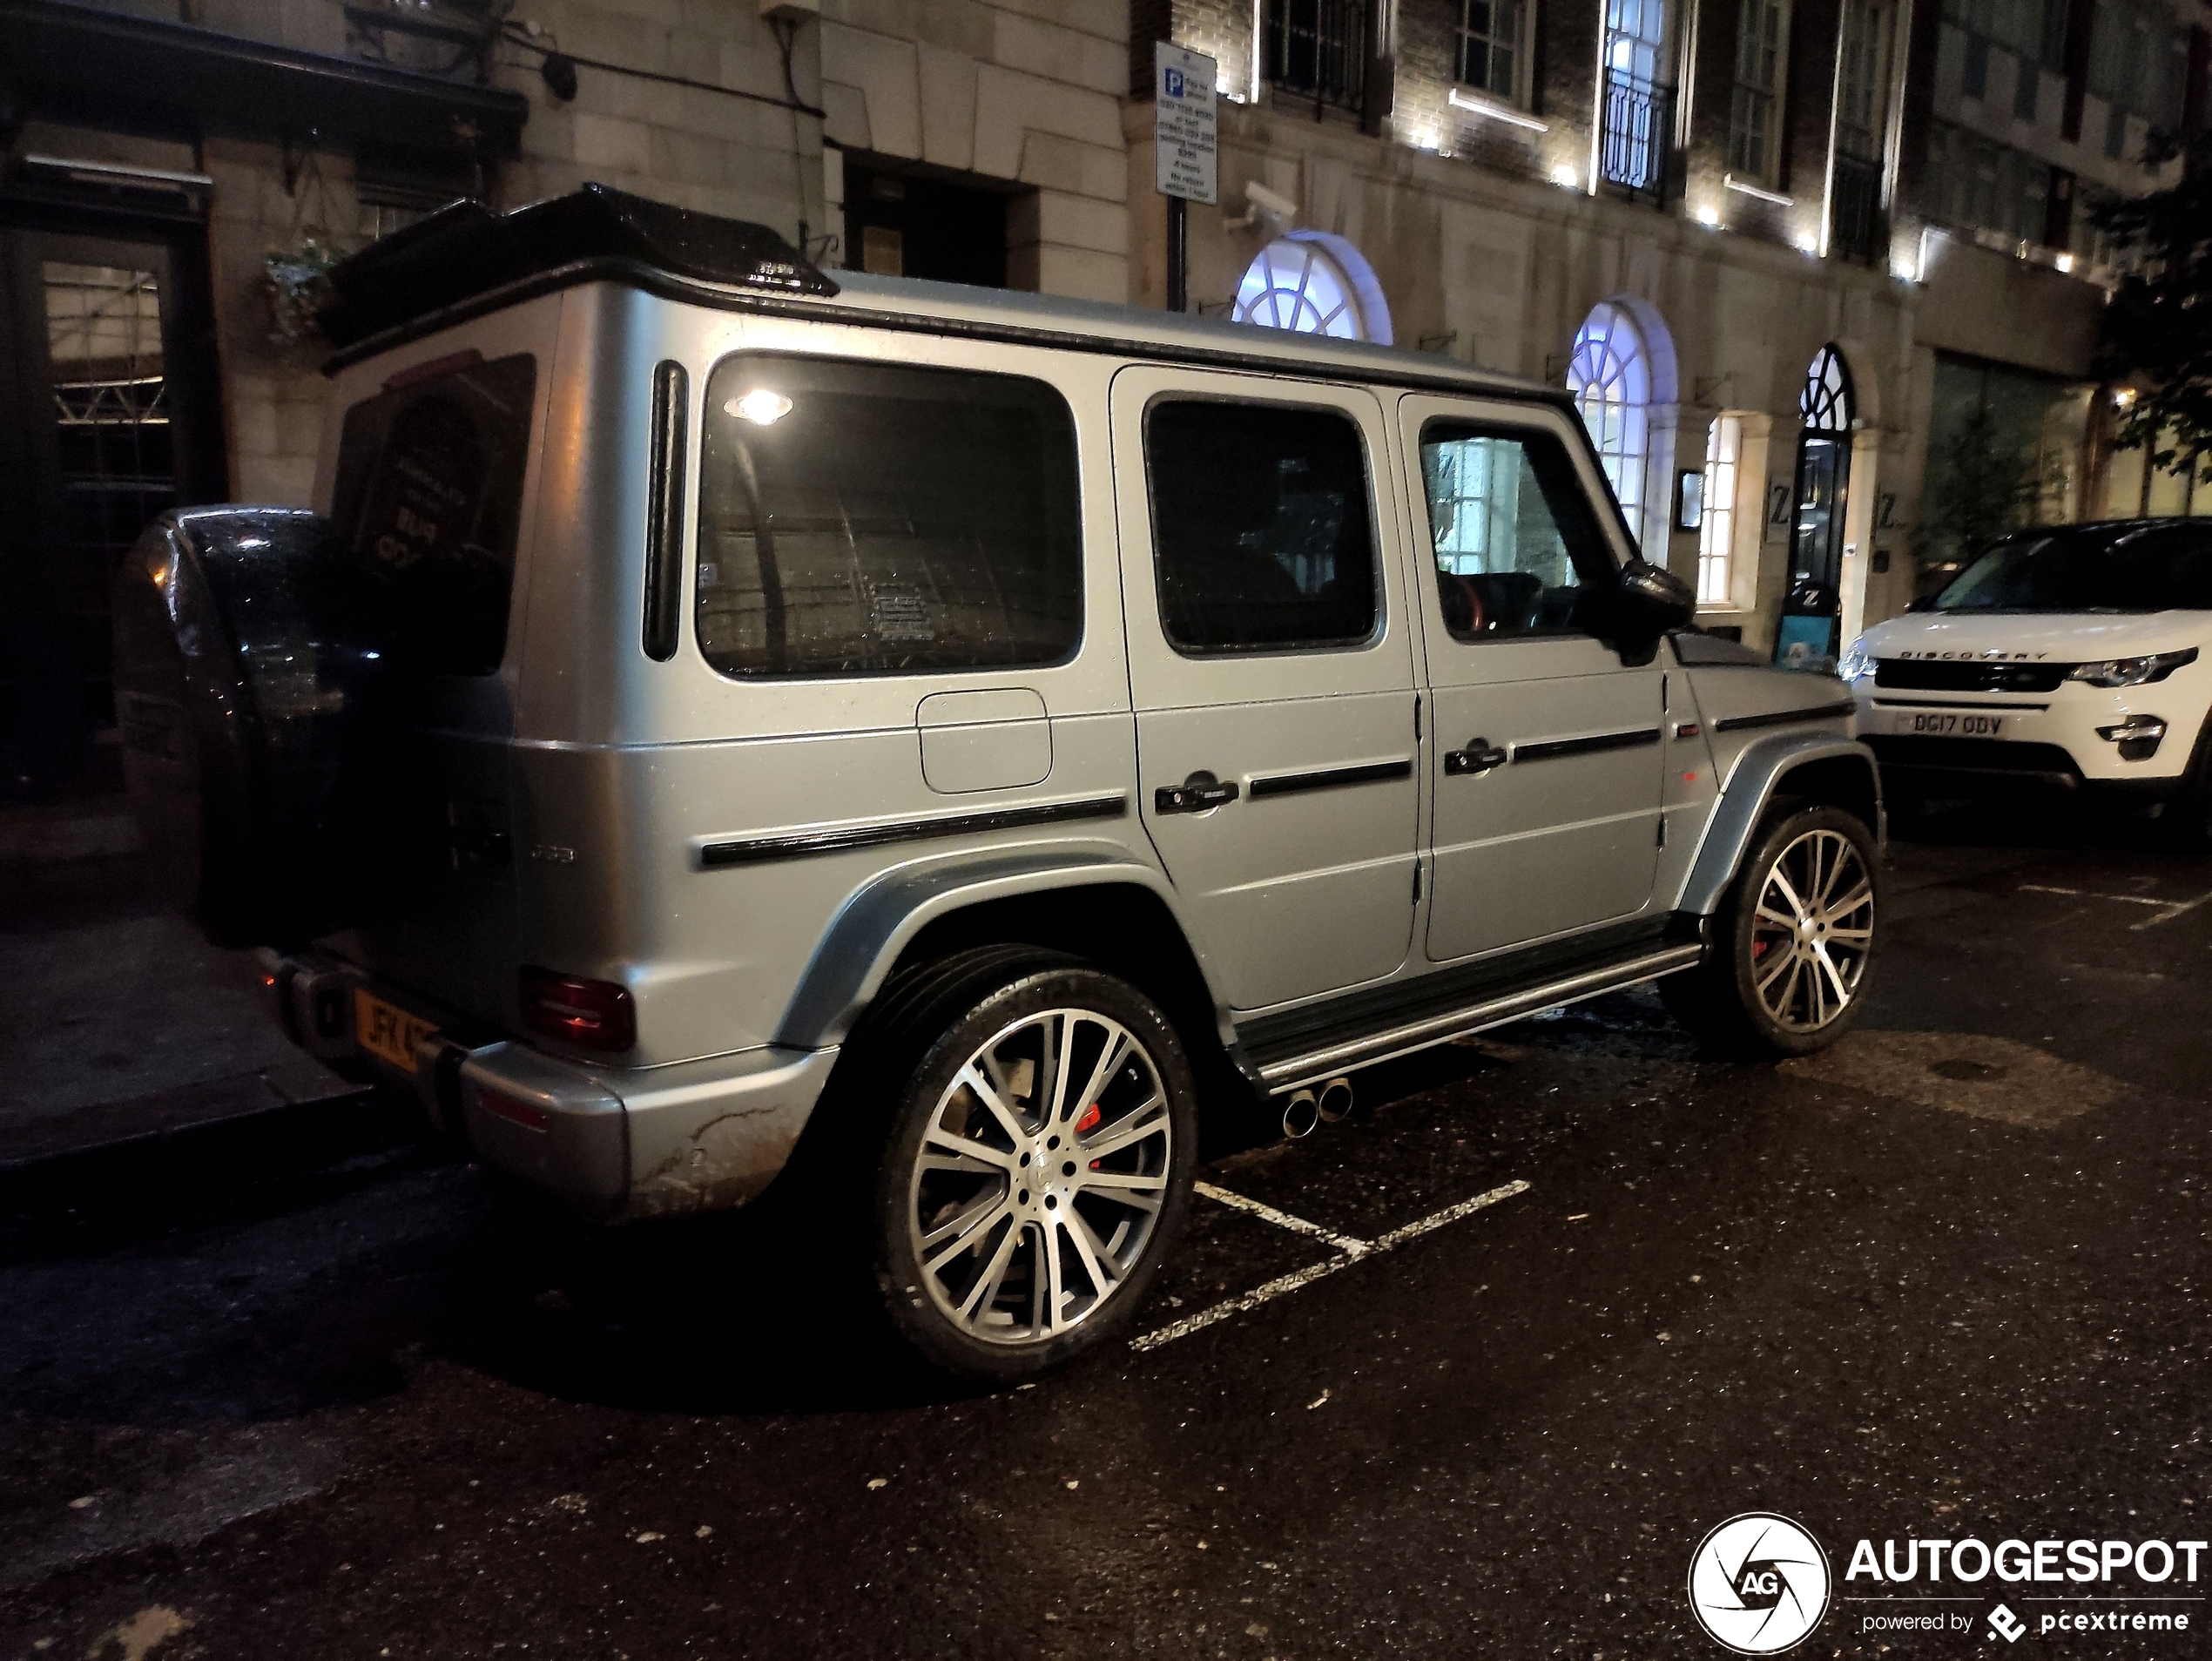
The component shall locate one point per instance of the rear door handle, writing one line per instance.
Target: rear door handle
(1480, 756)
(1200, 792)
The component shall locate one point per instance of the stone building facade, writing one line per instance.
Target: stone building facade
(1754, 187)
(1708, 201)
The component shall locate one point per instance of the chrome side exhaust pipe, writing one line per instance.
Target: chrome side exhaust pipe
(1300, 1114)
(1334, 1102)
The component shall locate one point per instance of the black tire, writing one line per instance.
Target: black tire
(919, 1041)
(1721, 1001)
(2187, 819)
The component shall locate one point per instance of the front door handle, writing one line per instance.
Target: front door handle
(1195, 794)
(1480, 756)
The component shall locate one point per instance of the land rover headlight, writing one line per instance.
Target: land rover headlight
(2132, 671)
(1854, 664)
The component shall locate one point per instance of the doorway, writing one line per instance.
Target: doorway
(106, 400)
(1810, 610)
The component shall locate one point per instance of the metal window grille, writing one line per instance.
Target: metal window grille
(1855, 208)
(1317, 48)
(1638, 121)
(1636, 115)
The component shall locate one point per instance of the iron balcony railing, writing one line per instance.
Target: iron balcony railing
(1638, 131)
(1317, 48)
(1855, 209)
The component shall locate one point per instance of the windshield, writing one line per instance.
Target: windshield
(2122, 568)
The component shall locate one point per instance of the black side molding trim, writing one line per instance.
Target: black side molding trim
(1788, 717)
(1551, 749)
(754, 850)
(1284, 784)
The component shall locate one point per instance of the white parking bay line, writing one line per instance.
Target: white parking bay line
(1327, 1267)
(2180, 907)
(2091, 894)
(2167, 909)
(1344, 1243)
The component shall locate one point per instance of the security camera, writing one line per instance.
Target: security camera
(1266, 210)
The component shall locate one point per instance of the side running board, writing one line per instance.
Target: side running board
(1404, 1037)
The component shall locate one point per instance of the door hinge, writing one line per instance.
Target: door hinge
(1417, 718)
(1660, 840)
(1417, 883)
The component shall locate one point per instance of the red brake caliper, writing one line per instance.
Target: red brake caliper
(1087, 1124)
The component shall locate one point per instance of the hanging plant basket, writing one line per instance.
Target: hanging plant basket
(296, 282)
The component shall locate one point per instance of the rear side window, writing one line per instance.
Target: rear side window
(866, 518)
(1262, 530)
(428, 496)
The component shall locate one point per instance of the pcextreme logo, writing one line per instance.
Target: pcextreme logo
(1758, 1584)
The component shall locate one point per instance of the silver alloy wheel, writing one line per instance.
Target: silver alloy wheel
(1040, 1176)
(1813, 931)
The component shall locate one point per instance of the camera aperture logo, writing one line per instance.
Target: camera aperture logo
(1758, 1584)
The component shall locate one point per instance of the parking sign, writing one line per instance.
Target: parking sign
(1182, 123)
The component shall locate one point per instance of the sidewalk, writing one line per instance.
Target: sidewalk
(117, 1021)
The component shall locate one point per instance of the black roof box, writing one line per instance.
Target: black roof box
(465, 250)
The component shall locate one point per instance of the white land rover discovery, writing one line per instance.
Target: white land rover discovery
(2077, 656)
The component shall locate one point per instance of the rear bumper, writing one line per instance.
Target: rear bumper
(612, 1142)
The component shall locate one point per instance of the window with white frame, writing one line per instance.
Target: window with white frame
(1754, 117)
(1716, 531)
(1862, 82)
(1610, 377)
(1490, 58)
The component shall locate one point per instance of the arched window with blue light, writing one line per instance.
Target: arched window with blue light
(1311, 283)
(1609, 374)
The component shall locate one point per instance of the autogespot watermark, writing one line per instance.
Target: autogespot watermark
(1758, 1584)
(2115, 1586)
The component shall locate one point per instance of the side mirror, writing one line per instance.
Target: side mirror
(1650, 601)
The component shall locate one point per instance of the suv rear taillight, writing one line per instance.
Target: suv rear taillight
(596, 1014)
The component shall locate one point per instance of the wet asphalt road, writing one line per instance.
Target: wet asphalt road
(1947, 1280)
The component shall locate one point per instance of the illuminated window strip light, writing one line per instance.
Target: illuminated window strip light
(1729, 181)
(1476, 105)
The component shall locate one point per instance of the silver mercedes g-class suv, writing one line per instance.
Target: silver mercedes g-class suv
(959, 738)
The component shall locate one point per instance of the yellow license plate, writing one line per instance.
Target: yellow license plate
(387, 1033)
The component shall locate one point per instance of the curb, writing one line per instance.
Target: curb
(204, 1158)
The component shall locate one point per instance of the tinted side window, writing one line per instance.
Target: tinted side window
(428, 496)
(1517, 549)
(865, 518)
(1261, 527)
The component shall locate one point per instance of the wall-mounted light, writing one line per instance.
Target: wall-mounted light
(2065, 262)
(1744, 187)
(1708, 216)
(1474, 104)
(1567, 177)
(1808, 243)
(760, 407)
(2124, 398)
